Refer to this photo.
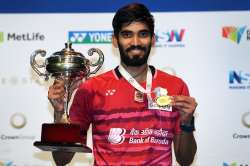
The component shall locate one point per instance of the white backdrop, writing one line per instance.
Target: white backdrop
(202, 57)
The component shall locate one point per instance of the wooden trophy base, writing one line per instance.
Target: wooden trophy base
(62, 137)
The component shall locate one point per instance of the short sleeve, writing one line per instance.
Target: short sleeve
(80, 110)
(184, 89)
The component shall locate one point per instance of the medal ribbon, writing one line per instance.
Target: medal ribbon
(134, 83)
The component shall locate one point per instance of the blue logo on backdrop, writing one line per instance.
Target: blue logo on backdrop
(90, 37)
(170, 38)
(239, 80)
(234, 164)
(8, 163)
(226, 164)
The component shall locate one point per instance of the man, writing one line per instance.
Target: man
(136, 111)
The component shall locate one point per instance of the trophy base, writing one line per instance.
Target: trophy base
(63, 147)
(62, 137)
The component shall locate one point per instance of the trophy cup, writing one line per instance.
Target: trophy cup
(67, 65)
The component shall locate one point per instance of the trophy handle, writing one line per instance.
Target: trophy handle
(99, 63)
(35, 65)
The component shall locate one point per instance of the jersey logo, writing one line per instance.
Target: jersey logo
(110, 92)
(116, 135)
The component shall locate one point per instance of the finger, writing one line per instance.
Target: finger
(56, 101)
(56, 96)
(188, 107)
(55, 93)
(186, 99)
(56, 89)
(185, 108)
(59, 82)
(187, 111)
(182, 105)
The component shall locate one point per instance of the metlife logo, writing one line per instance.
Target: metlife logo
(239, 79)
(17, 37)
(90, 37)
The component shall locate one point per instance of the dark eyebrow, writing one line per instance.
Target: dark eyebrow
(144, 30)
(125, 31)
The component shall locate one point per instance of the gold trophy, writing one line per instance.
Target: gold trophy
(68, 65)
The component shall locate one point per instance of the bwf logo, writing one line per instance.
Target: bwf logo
(116, 135)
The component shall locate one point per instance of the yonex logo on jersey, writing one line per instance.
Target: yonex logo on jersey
(110, 92)
(116, 135)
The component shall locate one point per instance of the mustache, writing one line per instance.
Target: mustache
(133, 47)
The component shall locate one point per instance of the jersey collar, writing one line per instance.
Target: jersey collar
(119, 76)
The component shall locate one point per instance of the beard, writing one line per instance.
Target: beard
(135, 60)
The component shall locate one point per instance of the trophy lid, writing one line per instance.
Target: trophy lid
(68, 51)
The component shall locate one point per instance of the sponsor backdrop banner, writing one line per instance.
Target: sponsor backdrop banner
(209, 50)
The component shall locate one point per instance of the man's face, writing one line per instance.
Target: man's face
(134, 42)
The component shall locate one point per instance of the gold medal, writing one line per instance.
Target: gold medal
(163, 101)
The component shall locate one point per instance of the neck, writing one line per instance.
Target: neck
(139, 73)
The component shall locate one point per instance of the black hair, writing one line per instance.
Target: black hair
(134, 12)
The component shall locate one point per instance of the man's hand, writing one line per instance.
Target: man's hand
(56, 95)
(186, 105)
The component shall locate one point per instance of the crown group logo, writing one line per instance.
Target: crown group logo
(89, 37)
(239, 79)
(170, 38)
(245, 121)
(235, 33)
(18, 120)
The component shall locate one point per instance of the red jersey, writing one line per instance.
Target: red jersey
(125, 131)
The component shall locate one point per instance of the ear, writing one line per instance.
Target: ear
(114, 41)
(153, 40)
